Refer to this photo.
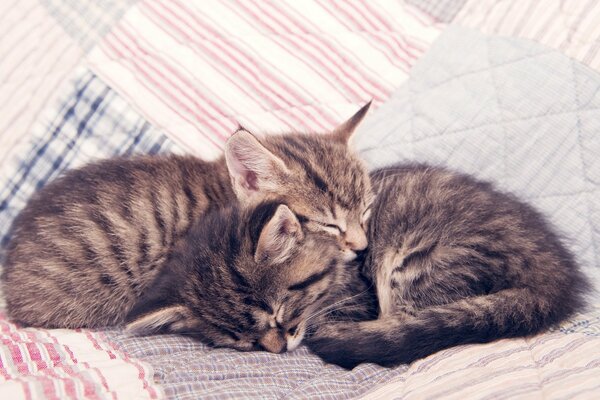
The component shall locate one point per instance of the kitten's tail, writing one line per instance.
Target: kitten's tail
(402, 338)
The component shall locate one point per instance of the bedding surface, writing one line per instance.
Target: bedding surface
(506, 90)
(508, 110)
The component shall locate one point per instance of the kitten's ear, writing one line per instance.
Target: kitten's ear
(345, 130)
(253, 169)
(279, 237)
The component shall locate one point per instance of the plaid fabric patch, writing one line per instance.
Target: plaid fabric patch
(87, 21)
(442, 10)
(90, 122)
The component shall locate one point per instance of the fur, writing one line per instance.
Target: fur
(88, 245)
(454, 261)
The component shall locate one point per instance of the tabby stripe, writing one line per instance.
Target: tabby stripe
(174, 231)
(158, 217)
(143, 247)
(487, 253)
(310, 172)
(415, 256)
(191, 202)
(311, 280)
(107, 229)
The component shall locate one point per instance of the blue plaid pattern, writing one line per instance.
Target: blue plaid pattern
(87, 21)
(89, 123)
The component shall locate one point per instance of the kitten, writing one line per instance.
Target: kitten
(247, 279)
(104, 230)
(454, 261)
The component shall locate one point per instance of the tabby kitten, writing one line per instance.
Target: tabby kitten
(454, 261)
(248, 279)
(98, 235)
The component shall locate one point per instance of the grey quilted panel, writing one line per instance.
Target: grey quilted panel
(87, 21)
(507, 110)
(442, 10)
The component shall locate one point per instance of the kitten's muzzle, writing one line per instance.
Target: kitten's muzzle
(273, 341)
(355, 238)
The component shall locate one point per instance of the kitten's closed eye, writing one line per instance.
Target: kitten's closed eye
(331, 228)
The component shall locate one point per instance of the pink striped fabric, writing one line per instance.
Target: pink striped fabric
(572, 27)
(61, 364)
(36, 56)
(198, 68)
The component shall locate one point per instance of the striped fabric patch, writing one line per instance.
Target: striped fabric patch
(89, 122)
(68, 364)
(571, 27)
(36, 56)
(198, 68)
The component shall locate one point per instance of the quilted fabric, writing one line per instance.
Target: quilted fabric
(560, 364)
(87, 21)
(90, 122)
(508, 110)
(442, 10)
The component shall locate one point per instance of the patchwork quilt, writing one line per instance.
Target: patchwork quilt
(506, 90)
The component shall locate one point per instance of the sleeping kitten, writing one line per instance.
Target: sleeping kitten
(104, 230)
(248, 279)
(454, 261)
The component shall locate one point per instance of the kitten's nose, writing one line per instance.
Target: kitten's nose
(356, 239)
(273, 341)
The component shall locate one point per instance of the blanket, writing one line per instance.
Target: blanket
(506, 90)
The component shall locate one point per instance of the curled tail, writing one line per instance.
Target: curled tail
(401, 338)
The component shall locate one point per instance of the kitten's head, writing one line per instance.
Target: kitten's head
(319, 177)
(245, 279)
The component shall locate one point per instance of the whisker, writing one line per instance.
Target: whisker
(339, 302)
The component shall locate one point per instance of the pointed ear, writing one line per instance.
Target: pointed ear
(253, 169)
(344, 131)
(279, 237)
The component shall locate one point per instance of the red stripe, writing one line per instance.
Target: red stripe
(261, 66)
(421, 17)
(193, 86)
(242, 65)
(329, 50)
(327, 54)
(88, 384)
(47, 387)
(315, 53)
(18, 66)
(26, 16)
(158, 86)
(213, 55)
(382, 36)
(395, 35)
(123, 355)
(157, 17)
(180, 88)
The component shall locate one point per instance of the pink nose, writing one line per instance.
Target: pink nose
(273, 341)
(356, 239)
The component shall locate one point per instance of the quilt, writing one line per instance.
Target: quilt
(506, 90)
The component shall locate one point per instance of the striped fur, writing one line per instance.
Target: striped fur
(88, 244)
(454, 261)
(248, 279)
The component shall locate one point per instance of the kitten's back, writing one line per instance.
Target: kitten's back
(102, 231)
(455, 261)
